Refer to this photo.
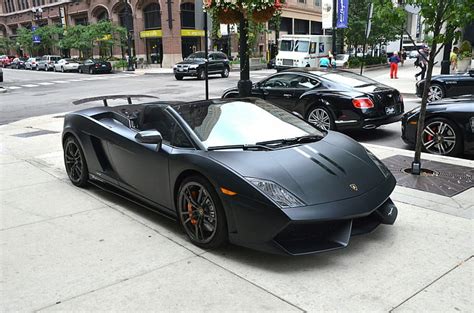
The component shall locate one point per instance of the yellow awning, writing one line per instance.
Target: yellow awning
(153, 33)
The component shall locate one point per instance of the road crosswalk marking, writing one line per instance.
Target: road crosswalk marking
(60, 81)
(29, 85)
(14, 87)
(45, 84)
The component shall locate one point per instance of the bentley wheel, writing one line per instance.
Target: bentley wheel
(435, 93)
(321, 118)
(201, 213)
(75, 162)
(441, 136)
(225, 73)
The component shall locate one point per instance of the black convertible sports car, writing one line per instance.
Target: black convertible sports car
(449, 126)
(444, 86)
(238, 170)
(333, 100)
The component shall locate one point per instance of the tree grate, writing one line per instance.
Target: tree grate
(446, 179)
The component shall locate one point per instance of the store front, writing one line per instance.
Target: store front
(191, 41)
(153, 44)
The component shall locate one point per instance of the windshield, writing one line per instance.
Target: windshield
(286, 45)
(197, 55)
(341, 56)
(240, 122)
(348, 79)
(301, 46)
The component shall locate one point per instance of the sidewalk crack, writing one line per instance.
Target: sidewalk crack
(431, 283)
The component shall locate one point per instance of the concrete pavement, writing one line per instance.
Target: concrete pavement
(70, 249)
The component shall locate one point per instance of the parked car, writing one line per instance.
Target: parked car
(238, 170)
(449, 126)
(18, 63)
(1, 75)
(32, 63)
(66, 65)
(93, 66)
(445, 86)
(5, 60)
(194, 64)
(330, 100)
(341, 60)
(47, 62)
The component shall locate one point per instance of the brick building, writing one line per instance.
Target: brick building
(163, 30)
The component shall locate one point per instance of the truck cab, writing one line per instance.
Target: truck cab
(302, 50)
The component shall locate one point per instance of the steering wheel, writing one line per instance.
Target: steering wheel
(279, 83)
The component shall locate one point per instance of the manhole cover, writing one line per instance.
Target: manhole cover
(35, 133)
(439, 178)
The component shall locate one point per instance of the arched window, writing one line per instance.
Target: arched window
(187, 15)
(103, 16)
(124, 19)
(152, 16)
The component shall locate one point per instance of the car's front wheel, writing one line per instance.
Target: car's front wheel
(442, 136)
(178, 77)
(435, 93)
(91, 70)
(201, 74)
(321, 117)
(79, 70)
(201, 214)
(225, 73)
(75, 162)
(62, 69)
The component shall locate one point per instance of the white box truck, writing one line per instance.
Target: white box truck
(302, 50)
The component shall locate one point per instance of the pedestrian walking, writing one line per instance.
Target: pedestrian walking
(394, 60)
(330, 57)
(403, 56)
(324, 62)
(422, 62)
(453, 58)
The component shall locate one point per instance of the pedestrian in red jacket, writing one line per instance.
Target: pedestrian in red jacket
(394, 60)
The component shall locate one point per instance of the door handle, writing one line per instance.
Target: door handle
(287, 95)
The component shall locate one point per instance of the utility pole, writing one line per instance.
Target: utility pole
(129, 26)
(206, 51)
(334, 20)
(245, 84)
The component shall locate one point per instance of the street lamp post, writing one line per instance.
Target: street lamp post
(244, 84)
(37, 14)
(129, 26)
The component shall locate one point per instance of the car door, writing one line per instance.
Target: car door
(140, 167)
(213, 65)
(464, 85)
(281, 90)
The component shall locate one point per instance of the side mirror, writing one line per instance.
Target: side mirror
(151, 137)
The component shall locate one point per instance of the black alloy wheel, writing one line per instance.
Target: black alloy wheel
(75, 163)
(321, 117)
(178, 77)
(201, 214)
(441, 136)
(225, 73)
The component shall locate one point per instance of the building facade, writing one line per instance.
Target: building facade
(164, 31)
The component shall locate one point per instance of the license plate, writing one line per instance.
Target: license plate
(180, 70)
(103, 65)
(390, 110)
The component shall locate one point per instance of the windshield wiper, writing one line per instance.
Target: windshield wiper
(295, 140)
(243, 147)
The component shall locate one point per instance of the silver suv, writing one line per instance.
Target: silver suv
(47, 62)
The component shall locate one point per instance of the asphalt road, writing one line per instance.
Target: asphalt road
(32, 93)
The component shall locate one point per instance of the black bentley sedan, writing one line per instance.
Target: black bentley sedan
(193, 65)
(93, 66)
(449, 127)
(333, 100)
(444, 86)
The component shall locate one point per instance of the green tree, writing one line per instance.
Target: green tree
(25, 40)
(49, 35)
(443, 21)
(6, 44)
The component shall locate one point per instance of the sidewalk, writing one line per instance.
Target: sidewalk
(66, 248)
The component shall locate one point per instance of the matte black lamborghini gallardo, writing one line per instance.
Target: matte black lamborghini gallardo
(333, 100)
(238, 170)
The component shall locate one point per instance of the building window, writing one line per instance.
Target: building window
(22, 4)
(286, 25)
(9, 6)
(316, 28)
(81, 20)
(126, 21)
(187, 15)
(317, 3)
(103, 16)
(152, 14)
(301, 1)
(301, 27)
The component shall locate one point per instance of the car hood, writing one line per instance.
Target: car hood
(192, 61)
(316, 173)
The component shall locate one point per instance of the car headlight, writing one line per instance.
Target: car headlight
(175, 66)
(194, 66)
(279, 195)
(385, 171)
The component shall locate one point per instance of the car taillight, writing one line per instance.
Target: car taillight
(97, 65)
(362, 103)
(66, 63)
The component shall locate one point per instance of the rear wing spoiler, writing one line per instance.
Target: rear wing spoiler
(112, 97)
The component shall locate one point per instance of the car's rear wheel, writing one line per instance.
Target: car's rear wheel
(201, 214)
(79, 70)
(179, 77)
(320, 117)
(225, 73)
(62, 69)
(435, 93)
(75, 162)
(442, 136)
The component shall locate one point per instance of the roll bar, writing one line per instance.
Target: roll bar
(112, 97)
